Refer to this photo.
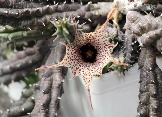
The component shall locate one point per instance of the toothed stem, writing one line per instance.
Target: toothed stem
(51, 87)
(23, 62)
(149, 104)
(36, 23)
(23, 106)
(39, 11)
(18, 4)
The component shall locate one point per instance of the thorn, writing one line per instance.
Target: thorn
(9, 38)
(6, 12)
(30, 61)
(43, 24)
(89, 20)
(28, 113)
(62, 81)
(83, 23)
(23, 109)
(43, 91)
(59, 98)
(56, 4)
(56, 114)
(63, 43)
(11, 101)
(36, 85)
(26, 78)
(78, 16)
(8, 110)
(15, 49)
(138, 114)
(29, 28)
(33, 98)
(77, 22)
(24, 47)
(1, 111)
(90, 2)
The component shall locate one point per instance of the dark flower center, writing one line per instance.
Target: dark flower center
(88, 53)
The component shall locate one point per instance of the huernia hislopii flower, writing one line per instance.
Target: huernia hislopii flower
(88, 54)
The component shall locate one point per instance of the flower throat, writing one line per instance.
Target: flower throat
(88, 53)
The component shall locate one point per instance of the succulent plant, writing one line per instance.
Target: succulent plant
(64, 29)
(47, 22)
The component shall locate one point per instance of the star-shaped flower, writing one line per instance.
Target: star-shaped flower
(88, 54)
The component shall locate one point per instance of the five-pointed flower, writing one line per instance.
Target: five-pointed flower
(88, 54)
